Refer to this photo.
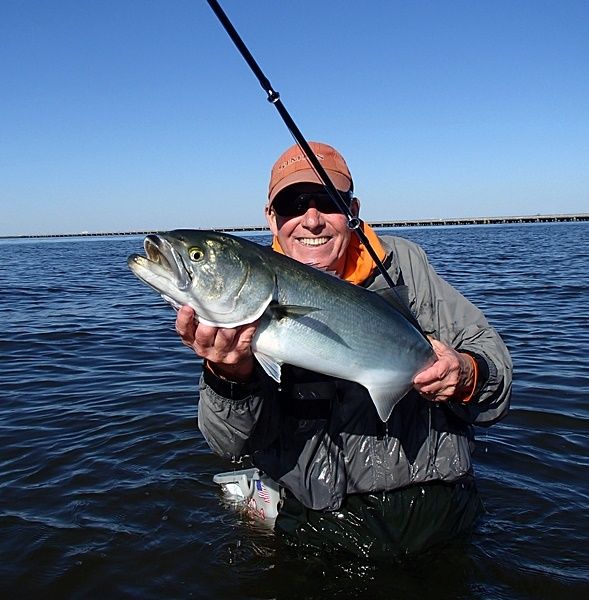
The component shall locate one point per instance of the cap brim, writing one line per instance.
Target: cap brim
(340, 181)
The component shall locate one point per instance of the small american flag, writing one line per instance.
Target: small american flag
(262, 491)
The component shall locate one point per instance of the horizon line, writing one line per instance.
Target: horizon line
(515, 219)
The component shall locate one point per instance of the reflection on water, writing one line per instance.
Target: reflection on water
(106, 483)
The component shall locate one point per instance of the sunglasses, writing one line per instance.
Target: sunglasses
(287, 205)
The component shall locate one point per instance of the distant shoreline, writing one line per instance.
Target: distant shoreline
(376, 224)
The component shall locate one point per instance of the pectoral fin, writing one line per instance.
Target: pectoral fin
(280, 311)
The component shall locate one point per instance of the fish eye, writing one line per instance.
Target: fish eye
(195, 254)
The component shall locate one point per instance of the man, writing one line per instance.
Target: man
(351, 481)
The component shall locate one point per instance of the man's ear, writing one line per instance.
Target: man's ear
(271, 219)
(355, 206)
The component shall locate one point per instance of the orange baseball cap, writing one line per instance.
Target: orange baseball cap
(294, 167)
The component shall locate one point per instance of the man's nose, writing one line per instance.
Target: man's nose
(313, 217)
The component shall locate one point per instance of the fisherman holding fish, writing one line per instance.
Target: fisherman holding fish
(373, 479)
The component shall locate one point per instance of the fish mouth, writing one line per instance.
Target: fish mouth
(162, 260)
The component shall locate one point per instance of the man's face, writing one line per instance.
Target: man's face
(316, 237)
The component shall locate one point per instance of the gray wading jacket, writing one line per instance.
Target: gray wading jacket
(321, 438)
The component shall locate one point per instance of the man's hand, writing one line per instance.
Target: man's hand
(451, 376)
(227, 351)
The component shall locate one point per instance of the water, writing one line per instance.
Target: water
(106, 483)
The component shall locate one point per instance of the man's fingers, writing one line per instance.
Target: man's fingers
(206, 337)
(215, 344)
(185, 324)
(184, 317)
(431, 374)
(246, 334)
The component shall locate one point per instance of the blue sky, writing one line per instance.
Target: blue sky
(128, 115)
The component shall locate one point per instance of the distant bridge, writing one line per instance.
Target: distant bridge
(484, 220)
(377, 224)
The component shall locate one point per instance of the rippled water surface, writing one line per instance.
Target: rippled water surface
(106, 483)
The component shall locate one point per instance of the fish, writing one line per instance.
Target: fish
(307, 317)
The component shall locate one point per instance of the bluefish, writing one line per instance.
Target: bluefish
(307, 318)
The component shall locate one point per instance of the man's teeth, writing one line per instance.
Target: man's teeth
(314, 241)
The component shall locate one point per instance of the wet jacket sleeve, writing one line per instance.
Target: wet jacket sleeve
(236, 419)
(448, 316)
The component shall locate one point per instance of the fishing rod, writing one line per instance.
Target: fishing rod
(274, 98)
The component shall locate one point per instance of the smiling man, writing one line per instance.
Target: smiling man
(350, 481)
(306, 224)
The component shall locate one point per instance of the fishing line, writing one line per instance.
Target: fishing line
(354, 223)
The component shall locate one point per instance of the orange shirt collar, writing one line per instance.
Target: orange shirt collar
(359, 264)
